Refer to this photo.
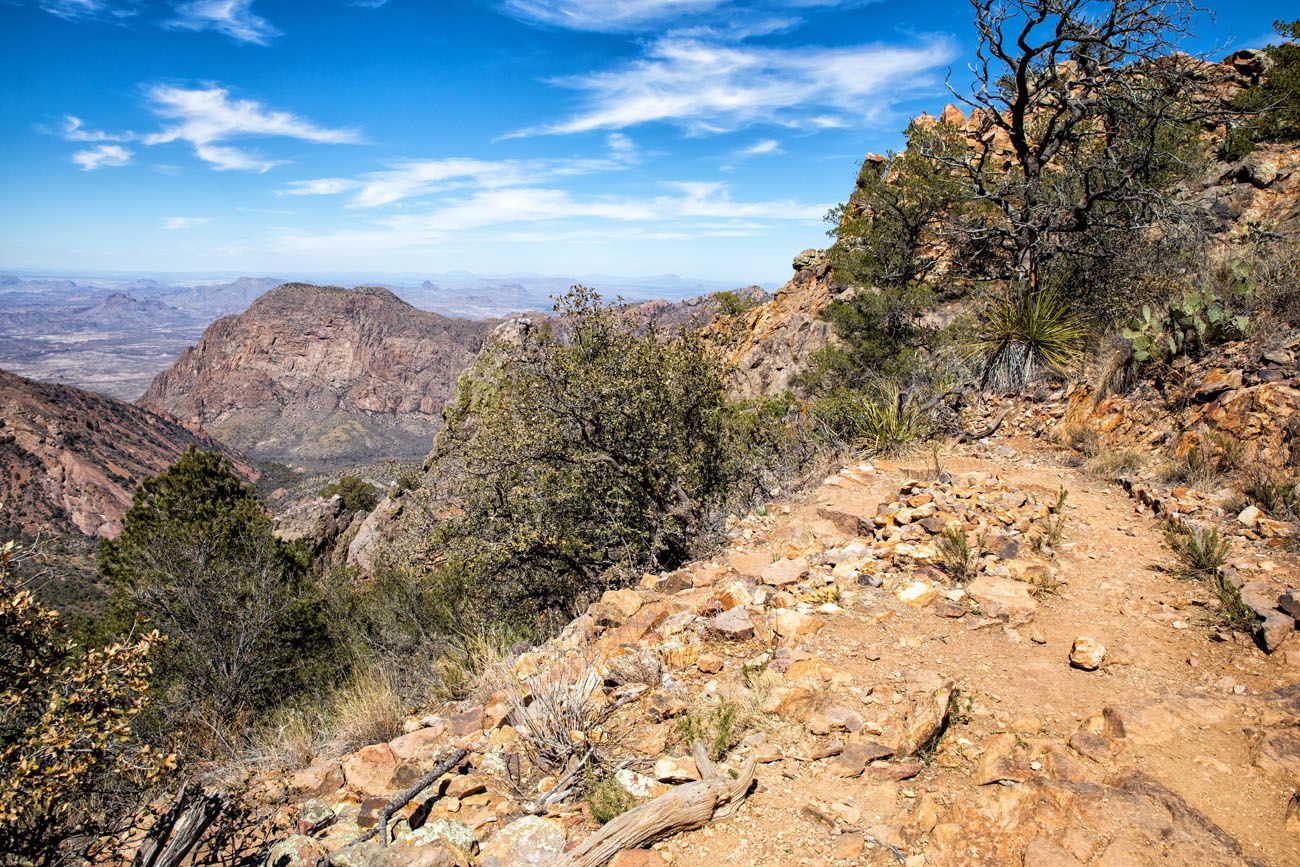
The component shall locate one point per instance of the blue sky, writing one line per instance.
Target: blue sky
(630, 137)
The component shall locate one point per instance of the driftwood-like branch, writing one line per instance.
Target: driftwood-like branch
(179, 828)
(971, 436)
(693, 805)
(402, 798)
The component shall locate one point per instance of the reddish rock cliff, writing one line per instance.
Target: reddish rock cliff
(311, 373)
(70, 459)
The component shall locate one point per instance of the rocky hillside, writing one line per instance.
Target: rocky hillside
(70, 459)
(317, 374)
(773, 342)
(1060, 700)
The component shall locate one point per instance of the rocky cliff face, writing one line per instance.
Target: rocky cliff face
(767, 348)
(320, 374)
(70, 459)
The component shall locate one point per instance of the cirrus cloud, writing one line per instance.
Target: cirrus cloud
(709, 86)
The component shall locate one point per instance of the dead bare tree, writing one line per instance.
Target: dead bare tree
(1077, 108)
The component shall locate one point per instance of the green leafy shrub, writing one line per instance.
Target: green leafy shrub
(357, 494)
(720, 729)
(570, 461)
(1026, 333)
(197, 560)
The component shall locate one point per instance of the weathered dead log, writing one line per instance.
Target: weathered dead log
(971, 436)
(180, 827)
(402, 798)
(684, 808)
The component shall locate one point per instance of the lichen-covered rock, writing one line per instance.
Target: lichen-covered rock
(296, 851)
(530, 841)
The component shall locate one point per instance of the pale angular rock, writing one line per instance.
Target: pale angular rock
(1087, 653)
(792, 624)
(917, 594)
(784, 571)
(1002, 598)
(370, 770)
(296, 851)
(676, 770)
(626, 601)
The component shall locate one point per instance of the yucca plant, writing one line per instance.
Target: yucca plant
(883, 420)
(1026, 333)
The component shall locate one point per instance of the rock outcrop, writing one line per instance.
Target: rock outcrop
(70, 459)
(320, 374)
(772, 343)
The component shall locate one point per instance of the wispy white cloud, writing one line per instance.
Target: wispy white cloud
(75, 130)
(207, 118)
(711, 86)
(173, 224)
(604, 14)
(234, 18)
(620, 15)
(102, 156)
(686, 210)
(415, 178)
(761, 148)
(76, 10)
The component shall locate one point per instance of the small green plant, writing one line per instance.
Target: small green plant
(881, 421)
(719, 730)
(1233, 612)
(1025, 334)
(1201, 551)
(606, 799)
(960, 559)
(1054, 530)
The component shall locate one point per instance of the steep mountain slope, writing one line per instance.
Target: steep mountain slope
(70, 459)
(318, 374)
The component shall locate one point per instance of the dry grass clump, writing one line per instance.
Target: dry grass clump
(458, 672)
(368, 708)
(1195, 468)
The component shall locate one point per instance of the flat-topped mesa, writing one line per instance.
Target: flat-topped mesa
(319, 373)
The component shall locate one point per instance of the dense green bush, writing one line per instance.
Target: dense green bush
(357, 494)
(572, 460)
(196, 559)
